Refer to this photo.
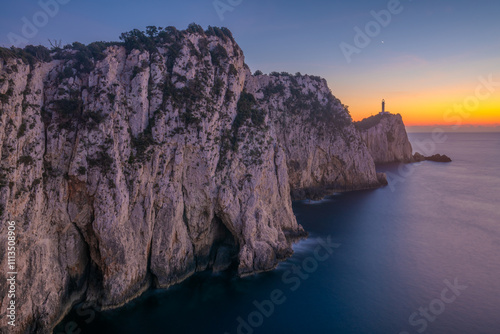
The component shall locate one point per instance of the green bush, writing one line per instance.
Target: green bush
(29, 55)
(272, 89)
(215, 31)
(36, 182)
(67, 72)
(232, 70)
(188, 118)
(194, 28)
(218, 54)
(152, 31)
(111, 98)
(173, 52)
(217, 87)
(3, 180)
(97, 49)
(94, 117)
(21, 131)
(143, 141)
(25, 160)
(138, 40)
(67, 107)
(102, 160)
(4, 98)
(246, 110)
(84, 58)
(203, 45)
(39, 53)
(229, 96)
(82, 170)
(369, 122)
(69, 113)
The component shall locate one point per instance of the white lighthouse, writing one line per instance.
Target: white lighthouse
(383, 112)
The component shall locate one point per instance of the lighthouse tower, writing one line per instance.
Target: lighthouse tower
(383, 112)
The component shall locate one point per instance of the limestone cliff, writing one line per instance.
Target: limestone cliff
(136, 164)
(323, 149)
(386, 138)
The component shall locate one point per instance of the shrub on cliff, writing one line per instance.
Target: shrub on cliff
(194, 28)
(247, 111)
(272, 89)
(222, 33)
(84, 57)
(369, 122)
(218, 53)
(138, 40)
(29, 55)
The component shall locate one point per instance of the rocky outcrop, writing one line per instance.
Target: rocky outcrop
(417, 157)
(386, 138)
(323, 149)
(138, 164)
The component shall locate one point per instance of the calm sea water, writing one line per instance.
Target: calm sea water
(419, 256)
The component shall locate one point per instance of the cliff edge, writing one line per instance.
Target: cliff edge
(136, 164)
(386, 138)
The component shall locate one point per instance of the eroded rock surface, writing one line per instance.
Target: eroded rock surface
(386, 138)
(132, 168)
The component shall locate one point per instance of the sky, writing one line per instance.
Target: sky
(436, 62)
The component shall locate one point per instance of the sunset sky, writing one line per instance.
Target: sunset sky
(426, 62)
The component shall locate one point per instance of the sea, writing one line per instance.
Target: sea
(421, 255)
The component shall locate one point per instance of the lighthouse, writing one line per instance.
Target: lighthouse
(383, 112)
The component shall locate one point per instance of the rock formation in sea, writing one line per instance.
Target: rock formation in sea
(136, 164)
(386, 138)
(417, 157)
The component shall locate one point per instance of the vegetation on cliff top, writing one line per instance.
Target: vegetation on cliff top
(369, 122)
(148, 40)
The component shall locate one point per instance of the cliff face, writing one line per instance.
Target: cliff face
(136, 168)
(386, 138)
(323, 149)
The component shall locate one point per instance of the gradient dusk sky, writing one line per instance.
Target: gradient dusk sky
(426, 62)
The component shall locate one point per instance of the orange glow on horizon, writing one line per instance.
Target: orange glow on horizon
(446, 92)
(436, 108)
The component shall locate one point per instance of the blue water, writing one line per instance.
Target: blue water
(396, 250)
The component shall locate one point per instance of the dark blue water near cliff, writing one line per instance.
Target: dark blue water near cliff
(426, 248)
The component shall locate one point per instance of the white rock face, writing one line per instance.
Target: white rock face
(324, 151)
(145, 169)
(386, 138)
